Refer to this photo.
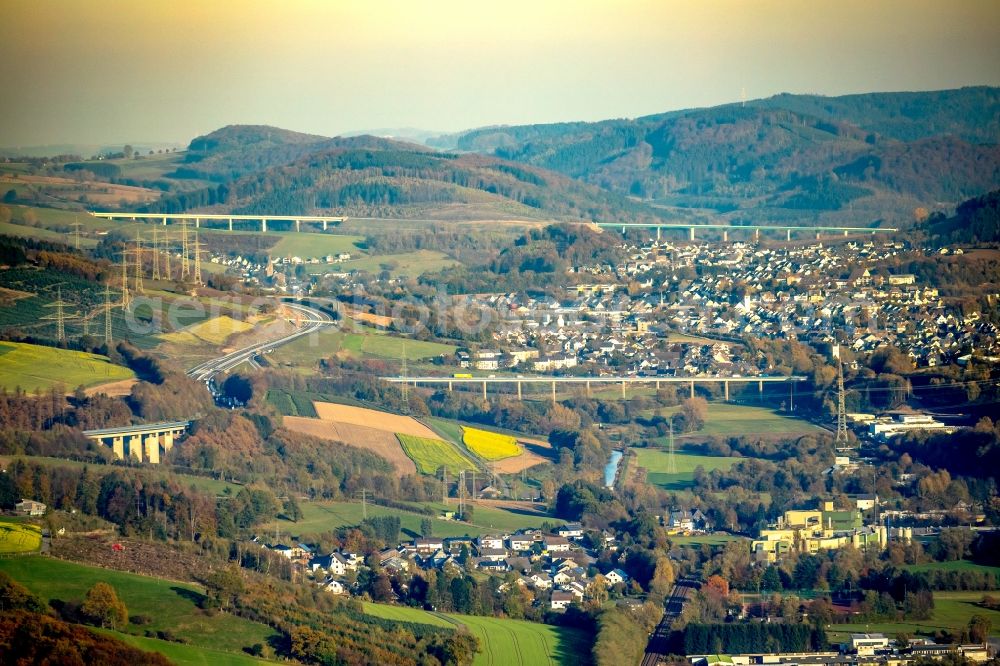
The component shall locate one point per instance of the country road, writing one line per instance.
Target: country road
(314, 320)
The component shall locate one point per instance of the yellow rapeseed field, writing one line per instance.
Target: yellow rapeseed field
(490, 445)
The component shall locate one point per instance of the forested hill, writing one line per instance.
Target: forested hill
(975, 221)
(237, 150)
(874, 156)
(265, 170)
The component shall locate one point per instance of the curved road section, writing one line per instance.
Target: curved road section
(313, 321)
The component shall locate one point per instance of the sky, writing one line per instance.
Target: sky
(116, 71)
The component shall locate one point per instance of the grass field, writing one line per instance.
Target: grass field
(318, 517)
(502, 642)
(656, 461)
(170, 605)
(411, 264)
(19, 537)
(490, 445)
(953, 565)
(429, 455)
(306, 245)
(952, 610)
(34, 367)
(729, 420)
(355, 342)
(188, 655)
(710, 539)
(214, 331)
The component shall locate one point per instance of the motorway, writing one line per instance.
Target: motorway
(313, 320)
(659, 641)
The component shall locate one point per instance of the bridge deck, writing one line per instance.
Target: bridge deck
(137, 429)
(581, 380)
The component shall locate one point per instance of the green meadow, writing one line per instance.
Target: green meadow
(171, 606)
(38, 368)
(502, 642)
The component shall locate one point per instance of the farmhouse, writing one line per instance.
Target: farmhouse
(30, 507)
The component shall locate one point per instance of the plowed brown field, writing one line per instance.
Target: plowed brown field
(370, 418)
(381, 442)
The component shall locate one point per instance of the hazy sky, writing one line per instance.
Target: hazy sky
(144, 70)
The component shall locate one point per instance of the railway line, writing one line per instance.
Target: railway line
(659, 641)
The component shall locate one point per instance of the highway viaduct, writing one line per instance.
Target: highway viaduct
(756, 228)
(589, 381)
(143, 441)
(326, 220)
(198, 218)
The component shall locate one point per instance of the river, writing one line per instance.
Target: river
(611, 469)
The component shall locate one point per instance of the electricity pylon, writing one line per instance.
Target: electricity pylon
(841, 438)
(76, 234)
(60, 315)
(165, 244)
(156, 255)
(107, 315)
(126, 300)
(197, 258)
(185, 264)
(139, 288)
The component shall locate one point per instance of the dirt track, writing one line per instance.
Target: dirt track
(380, 442)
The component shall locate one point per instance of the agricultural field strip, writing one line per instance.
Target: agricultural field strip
(490, 445)
(502, 641)
(371, 418)
(430, 454)
(19, 537)
(37, 367)
(380, 442)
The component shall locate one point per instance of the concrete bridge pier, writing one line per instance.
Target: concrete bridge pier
(197, 223)
(297, 225)
(519, 396)
(164, 221)
(450, 387)
(623, 390)
(691, 233)
(725, 386)
(756, 234)
(484, 390)
(725, 236)
(230, 224)
(168, 441)
(324, 225)
(153, 448)
(263, 225)
(657, 384)
(657, 233)
(588, 388)
(553, 393)
(788, 234)
(118, 447)
(845, 232)
(692, 389)
(760, 388)
(135, 447)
